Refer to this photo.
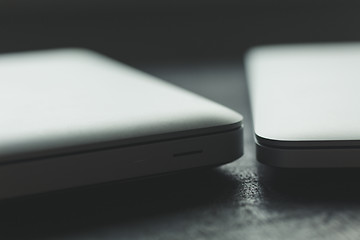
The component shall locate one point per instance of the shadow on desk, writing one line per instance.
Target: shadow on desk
(80, 210)
(234, 199)
(313, 186)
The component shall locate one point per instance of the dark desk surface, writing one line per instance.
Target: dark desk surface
(241, 200)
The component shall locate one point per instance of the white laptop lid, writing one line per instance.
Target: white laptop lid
(57, 99)
(306, 95)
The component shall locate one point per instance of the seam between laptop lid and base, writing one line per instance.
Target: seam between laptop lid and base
(114, 145)
(326, 144)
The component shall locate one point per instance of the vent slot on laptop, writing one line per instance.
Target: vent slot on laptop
(193, 152)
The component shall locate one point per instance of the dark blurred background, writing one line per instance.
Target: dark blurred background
(140, 30)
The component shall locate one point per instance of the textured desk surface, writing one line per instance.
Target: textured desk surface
(241, 200)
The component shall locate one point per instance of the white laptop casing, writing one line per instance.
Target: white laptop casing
(72, 117)
(305, 104)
